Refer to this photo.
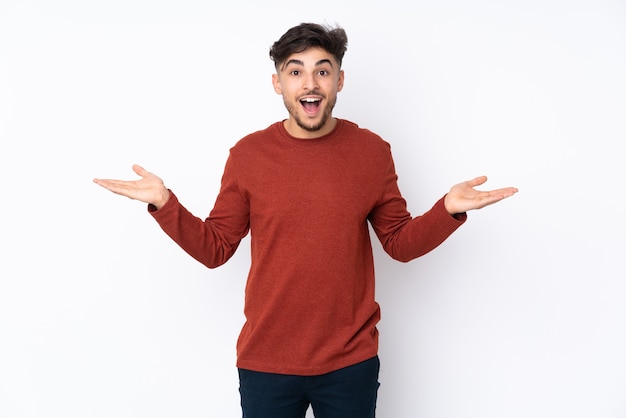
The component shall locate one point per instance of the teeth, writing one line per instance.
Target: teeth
(310, 100)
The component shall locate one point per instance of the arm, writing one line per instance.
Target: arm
(405, 238)
(212, 241)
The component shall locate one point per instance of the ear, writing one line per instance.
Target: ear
(276, 84)
(340, 81)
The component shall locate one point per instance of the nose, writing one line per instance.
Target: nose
(310, 82)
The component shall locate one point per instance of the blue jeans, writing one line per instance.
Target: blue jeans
(345, 393)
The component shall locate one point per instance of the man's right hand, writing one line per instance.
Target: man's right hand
(149, 189)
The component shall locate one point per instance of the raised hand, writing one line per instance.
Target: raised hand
(149, 189)
(463, 197)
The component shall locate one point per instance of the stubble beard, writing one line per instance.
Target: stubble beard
(315, 127)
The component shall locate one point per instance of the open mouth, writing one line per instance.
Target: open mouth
(311, 104)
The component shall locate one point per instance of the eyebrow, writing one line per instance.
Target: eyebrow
(300, 62)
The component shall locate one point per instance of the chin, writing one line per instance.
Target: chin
(313, 126)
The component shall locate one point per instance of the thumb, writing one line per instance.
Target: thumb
(139, 170)
(477, 181)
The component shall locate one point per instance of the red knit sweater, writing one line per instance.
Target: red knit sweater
(309, 299)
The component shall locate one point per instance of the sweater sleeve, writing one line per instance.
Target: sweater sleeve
(212, 241)
(405, 238)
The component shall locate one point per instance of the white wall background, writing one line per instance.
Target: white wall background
(520, 313)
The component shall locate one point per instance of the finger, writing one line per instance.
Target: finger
(102, 182)
(494, 196)
(140, 171)
(116, 186)
(504, 192)
(477, 181)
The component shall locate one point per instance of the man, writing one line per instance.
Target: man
(306, 188)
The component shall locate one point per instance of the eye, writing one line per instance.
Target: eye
(295, 72)
(323, 73)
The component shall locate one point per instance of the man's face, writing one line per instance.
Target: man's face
(309, 82)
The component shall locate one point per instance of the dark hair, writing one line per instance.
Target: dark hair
(307, 35)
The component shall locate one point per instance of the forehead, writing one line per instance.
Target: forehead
(311, 57)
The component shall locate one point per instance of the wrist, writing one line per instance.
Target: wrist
(164, 197)
(448, 206)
